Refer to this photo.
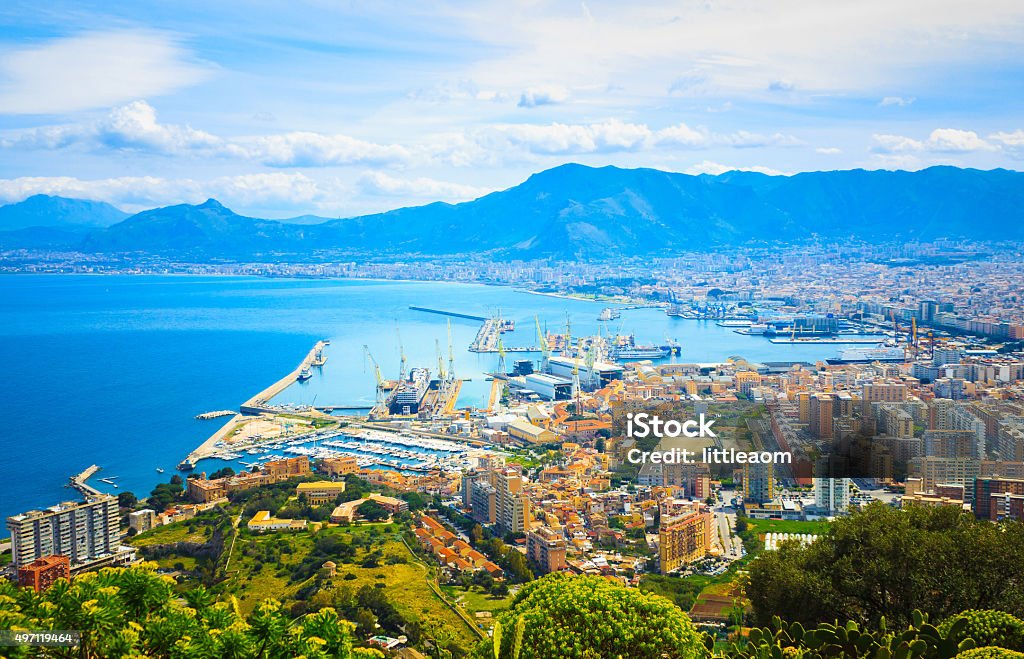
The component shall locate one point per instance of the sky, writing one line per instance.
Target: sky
(339, 107)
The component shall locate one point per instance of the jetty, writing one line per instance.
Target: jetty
(215, 414)
(80, 481)
(256, 404)
(453, 314)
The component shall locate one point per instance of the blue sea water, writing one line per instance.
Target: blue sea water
(111, 370)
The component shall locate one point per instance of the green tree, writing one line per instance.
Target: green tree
(577, 617)
(887, 562)
(127, 500)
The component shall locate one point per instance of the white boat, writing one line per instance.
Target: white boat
(609, 313)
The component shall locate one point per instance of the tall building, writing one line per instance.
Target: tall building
(42, 572)
(997, 499)
(483, 502)
(683, 538)
(881, 392)
(942, 356)
(83, 531)
(545, 547)
(513, 507)
(821, 416)
(832, 495)
(758, 482)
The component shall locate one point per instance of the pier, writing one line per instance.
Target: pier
(453, 314)
(79, 482)
(255, 405)
(213, 415)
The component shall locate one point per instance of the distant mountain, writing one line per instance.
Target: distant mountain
(206, 230)
(60, 212)
(575, 211)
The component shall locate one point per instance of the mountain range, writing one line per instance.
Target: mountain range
(568, 212)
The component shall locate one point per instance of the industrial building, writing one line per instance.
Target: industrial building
(592, 376)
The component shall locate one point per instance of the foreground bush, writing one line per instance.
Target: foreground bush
(132, 612)
(591, 618)
(990, 652)
(990, 628)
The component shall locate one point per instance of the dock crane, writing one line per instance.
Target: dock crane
(441, 374)
(451, 353)
(575, 364)
(401, 353)
(376, 370)
(545, 349)
(502, 368)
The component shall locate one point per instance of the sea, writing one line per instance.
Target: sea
(111, 370)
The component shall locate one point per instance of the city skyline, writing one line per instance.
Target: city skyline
(341, 111)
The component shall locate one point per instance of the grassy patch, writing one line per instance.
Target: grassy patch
(786, 526)
(169, 534)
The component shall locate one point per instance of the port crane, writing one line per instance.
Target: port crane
(376, 370)
(451, 353)
(502, 369)
(545, 349)
(401, 354)
(442, 376)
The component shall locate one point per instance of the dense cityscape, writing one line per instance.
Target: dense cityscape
(922, 407)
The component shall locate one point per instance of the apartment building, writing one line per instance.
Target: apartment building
(84, 531)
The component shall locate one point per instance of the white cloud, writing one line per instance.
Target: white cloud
(134, 193)
(558, 138)
(829, 150)
(134, 127)
(94, 69)
(546, 95)
(379, 183)
(681, 135)
(714, 168)
(1011, 142)
(305, 149)
(952, 140)
(781, 86)
(898, 101)
(941, 140)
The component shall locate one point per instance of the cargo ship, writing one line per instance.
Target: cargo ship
(861, 355)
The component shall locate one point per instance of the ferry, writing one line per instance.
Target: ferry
(609, 314)
(304, 375)
(861, 355)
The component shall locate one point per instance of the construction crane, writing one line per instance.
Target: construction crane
(441, 374)
(545, 349)
(575, 364)
(502, 369)
(401, 353)
(451, 352)
(376, 370)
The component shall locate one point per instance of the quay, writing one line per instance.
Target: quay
(448, 313)
(256, 404)
(79, 482)
(327, 409)
(215, 414)
(836, 340)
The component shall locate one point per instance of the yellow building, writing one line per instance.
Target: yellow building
(528, 432)
(262, 521)
(684, 539)
(320, 492)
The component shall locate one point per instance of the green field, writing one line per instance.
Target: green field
(402, 576)
(786, 526)
(171, 533)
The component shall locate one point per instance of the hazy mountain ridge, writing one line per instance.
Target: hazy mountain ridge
(573, 211)
(60, 212)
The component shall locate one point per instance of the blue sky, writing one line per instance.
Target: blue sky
(341, 107)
